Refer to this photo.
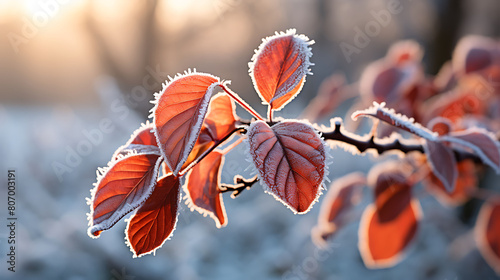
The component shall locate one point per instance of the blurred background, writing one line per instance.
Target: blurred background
(67, 68)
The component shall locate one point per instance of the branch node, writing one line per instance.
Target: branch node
(240, 184)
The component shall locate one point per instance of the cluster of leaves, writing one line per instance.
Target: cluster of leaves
(180, 150)
(460, 106)
(187, 128)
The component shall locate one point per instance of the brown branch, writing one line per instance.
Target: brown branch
(381, 146)
(240, 184)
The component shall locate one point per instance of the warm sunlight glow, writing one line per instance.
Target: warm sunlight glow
(182, 13)
(33, 7)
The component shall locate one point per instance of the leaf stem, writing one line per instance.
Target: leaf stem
(213, 147)
(270, 114)
(241, 102)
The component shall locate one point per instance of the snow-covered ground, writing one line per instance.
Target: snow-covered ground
(263, 240)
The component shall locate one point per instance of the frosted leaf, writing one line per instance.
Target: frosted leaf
(442, 162)
(389, 225)
(480, 142)
(179, 113)
(120, 188)
(290, 157)
(391, 78)
(143, 139)
(466, 183)
(473, 53)
(342, 196)
(155, 221)
(202, 188)
(379, 111)
(139, 149)
(221, 117)
(279, 67)
(383, 244)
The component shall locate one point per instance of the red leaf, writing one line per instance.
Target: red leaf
(221, 117)
(279, 67)
(382, 241)
(202, 188)
(391, 198)
(121, 188)
(343, 194)
(477, 59)
(381, 82)
(290, 158)
(155, 221)
(390, 223)
(143, 140)
(481, 142)
(144, 135)
(466, 182)
(487, 234)
(473, 53)
(393, 77)
(179, 113)
(379, 111)
(203, 143)
(442, 163)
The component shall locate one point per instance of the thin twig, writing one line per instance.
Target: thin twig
(213, 147)
(240, 184)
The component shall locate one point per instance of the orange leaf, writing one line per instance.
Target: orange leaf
(179, 113)
(155, 221)
(382, 242)
(279, 67)
(221, 116)
(202, 188)
(341, 197)
(143, 140)
(391, 198)
(121, 188)
(390, 223)
(144, 135)
(487, 234)
(203, 143)
(466, 182)
(290, 158)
